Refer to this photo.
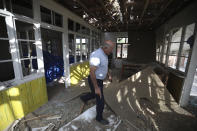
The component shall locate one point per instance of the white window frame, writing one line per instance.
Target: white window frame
(8, 20)
(14, 49)
(90, 37)
(179, 51)
(126, 43)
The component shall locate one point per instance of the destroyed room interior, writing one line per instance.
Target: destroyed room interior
(137, 59)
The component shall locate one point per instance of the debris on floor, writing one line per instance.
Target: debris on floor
(87, 121)
(139, 103)
(144, 102)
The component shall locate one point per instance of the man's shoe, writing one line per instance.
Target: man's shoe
(103, 121)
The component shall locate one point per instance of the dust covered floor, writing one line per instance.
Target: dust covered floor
(64, 107)
(62, 112)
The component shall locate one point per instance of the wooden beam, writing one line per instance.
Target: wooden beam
(107, 12)
(90, 13)
(144, 10)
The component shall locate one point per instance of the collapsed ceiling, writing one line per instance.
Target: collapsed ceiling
(124, 15)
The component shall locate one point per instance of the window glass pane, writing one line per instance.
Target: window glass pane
(164, 59)
(52, 42)
(174, 48)
(29, 66)
(77, 29)
(6, 71)
(172, 61)
(160, 48)
(70, 25)
(186, 49)
(23, 7)
(189, 31)
(27, 49)
(45, 15)
(84, 51)
(71, 48)
(176, 35)
(4, 50)
(124, 50)
(3, 28)
(183, 63)
(118, 50)
(88, 31)
(126, 40)
(58, 19)
(83, 41)
(157, 57)
(83, 30)
(157, 50)
(121, 40)
(25, 30)
(78, 49)
(77, 41)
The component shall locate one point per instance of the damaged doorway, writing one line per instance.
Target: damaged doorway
(52, 54)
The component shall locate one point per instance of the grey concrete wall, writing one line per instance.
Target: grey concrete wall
(142, 46)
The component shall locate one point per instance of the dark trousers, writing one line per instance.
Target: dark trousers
(92, 95)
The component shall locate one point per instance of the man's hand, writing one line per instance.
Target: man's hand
(98, 91)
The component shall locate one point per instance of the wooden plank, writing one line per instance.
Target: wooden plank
(144, 10)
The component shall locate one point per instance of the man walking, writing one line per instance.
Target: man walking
(98, 72)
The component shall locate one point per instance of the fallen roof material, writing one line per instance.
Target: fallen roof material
(144, 102)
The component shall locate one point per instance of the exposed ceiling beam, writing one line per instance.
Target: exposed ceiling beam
(89, 12)
(144, 10)
(107, 12)
(124, 11)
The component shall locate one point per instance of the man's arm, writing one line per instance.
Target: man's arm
(93, 78)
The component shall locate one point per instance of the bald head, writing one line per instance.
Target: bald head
(108, 47)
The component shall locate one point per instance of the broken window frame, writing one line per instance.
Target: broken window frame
(7, 82)
(52, 17)
(184, 41)
(121, 44)
(158, 53)
(28, 57)
(14, 49)
(179, 55)
(90, 45)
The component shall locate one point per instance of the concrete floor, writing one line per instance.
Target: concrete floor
(64, 106)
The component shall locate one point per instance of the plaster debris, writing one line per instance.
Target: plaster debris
(51, 126)
(87, 121)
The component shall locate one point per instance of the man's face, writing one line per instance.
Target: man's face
(109, 50)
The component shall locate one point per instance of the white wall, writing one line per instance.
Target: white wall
(112, 36)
